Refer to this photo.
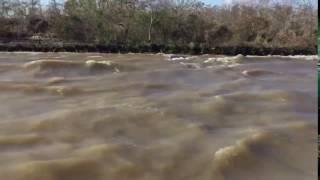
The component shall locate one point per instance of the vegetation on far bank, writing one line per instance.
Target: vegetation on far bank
(170, 23)
(155, 48)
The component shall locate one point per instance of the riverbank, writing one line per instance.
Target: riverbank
(155, 48)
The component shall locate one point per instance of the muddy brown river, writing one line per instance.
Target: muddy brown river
(68, 116)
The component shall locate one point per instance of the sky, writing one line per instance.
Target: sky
(211, 2)
(214, 2)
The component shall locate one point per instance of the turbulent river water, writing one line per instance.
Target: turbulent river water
(68, 116)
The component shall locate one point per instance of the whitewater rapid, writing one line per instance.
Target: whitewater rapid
(81, 116)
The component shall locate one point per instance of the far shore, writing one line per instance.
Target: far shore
(155, 48)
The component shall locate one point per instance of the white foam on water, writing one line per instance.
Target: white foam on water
(305, 57)
(226, 60)
(25, 52)
(174, 57)
(94, 56)
(94, 62)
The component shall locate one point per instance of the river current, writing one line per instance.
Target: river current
(90, 116)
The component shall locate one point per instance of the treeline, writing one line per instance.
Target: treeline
(163, 22)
